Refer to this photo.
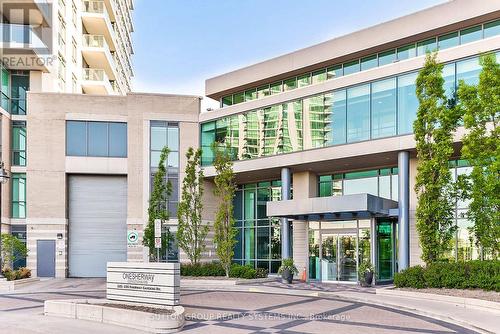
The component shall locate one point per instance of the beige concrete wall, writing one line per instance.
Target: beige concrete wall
(305, 185)
(48, 165)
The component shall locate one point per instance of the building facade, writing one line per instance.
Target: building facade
(323, 148)
(321, 138)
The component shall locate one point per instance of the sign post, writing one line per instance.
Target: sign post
(157, 239)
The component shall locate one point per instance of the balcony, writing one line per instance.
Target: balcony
(96, 82)
(22, 48)
(96, 52)
(96, 20)
(40, 12)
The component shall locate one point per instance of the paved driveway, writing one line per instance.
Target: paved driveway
(219, 312)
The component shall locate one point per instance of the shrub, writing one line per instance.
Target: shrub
(288, 264)
(9, 274)
(452, 275)
(412, 277)
(239, 271)
(203, 269)
(261, 273)
(23, 273)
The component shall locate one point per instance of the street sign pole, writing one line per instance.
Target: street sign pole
(157, 239)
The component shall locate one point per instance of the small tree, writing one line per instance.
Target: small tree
(12, 249)
(162, 189)
(434, 128)
(191, 233)
(225, 232)
(480, 105)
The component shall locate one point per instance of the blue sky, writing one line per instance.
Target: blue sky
(180, 43)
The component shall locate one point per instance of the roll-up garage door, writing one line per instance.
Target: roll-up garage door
(97, 223)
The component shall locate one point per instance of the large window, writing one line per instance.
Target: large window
(18, 195)
(166, 134)
(96, 139)
(379, 182)
(5, 89)
(20, 85)
(19, 143)
(358, 113)
(258, 237)
(378, 109)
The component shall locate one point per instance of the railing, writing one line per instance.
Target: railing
(20, 34)
(94, 41)
(92, 6)
(94, 74)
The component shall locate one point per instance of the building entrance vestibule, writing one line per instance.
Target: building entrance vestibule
(337, 248)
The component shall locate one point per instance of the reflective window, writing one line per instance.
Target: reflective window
(449, 80)
(334, 72)
(97, 145)
(250, 94)
(339, 117)
(492, 29)
(304, 80)
(358, 113)
(263, 91)
(18, 195)
(5, 87)
(317, 121)
(351, 67)
(276, 88)
(369, 62)
(407, 102)
(471, 34)
(384, 108)
(468, 70)
(239, 97)
(19, 87)
(406, 52)
(448, 41)
(76, 138)
(290, 84)
(227, 101)
(319, 76)
(96, 139)
(19, 143)
(428, 45)
(387, 57)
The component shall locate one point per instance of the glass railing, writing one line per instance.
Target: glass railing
(90, 6)
(94, 41)
(94, 74)
(19, 34)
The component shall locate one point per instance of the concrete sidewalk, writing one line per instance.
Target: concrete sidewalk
(481, 321)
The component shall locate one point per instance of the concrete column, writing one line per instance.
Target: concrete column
(373, 243)
(285, 225)
(404, 210)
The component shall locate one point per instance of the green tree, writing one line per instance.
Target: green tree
(480, 105)
(225, 232)
(191, 232)
(436, 122)
(12, 249)
(157, 210)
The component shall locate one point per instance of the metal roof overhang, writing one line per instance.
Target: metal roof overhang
(333, 207)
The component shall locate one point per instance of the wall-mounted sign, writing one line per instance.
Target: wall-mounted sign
(157, 242)
(157, 229)
(132, 238)
(151, 283)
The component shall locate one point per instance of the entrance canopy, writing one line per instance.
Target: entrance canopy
(333, 207)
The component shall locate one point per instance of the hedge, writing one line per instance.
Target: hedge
(213, 269)
(12, 275)
(453, 275)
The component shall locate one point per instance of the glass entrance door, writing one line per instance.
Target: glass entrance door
(338, 257)
(329, 251)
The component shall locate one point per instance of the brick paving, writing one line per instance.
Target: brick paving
(225, 312)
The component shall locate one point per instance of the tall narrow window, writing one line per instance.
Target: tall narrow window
(18, 195)
(358, 113)
(20, 84)
(384, 108)
(19, 143)
(407, 102)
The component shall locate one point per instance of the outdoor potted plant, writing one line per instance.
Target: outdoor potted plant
(287, 270)
(365, 273)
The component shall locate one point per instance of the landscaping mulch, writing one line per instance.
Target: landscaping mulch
(491, 296)
(147, 309)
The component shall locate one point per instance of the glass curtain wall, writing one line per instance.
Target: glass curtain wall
(378, 182)
(166, 134)
(382, 108)
(5, 89)
(18, 143)
(258, 236)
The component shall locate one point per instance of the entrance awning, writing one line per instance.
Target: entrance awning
(333, 207)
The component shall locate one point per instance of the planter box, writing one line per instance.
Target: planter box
(6, 286)
(94, 310)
